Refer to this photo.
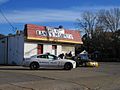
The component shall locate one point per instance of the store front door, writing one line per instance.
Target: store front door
(54, 49)
(40, 49)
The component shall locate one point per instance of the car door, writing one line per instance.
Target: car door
(43, 60)
(53, 61)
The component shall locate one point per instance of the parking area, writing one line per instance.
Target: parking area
(104, 77)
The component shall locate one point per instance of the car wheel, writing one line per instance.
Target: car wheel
(34, 66)
(68, 66)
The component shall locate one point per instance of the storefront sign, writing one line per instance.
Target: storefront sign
(53, 32)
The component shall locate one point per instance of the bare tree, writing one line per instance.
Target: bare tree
(101, 32)
(110, 19)
(87, 22)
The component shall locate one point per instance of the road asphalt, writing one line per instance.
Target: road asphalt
(104, 77)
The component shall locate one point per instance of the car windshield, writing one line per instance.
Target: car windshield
(34, 56)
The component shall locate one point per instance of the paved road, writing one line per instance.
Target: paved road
(105, 77)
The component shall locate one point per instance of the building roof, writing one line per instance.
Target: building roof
(44, 33)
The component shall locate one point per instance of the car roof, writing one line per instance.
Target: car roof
(42, 54)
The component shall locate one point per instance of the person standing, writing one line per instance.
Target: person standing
(61, 56)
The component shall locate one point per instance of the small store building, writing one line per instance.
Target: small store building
(38, 40)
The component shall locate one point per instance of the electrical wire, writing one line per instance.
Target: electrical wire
(13, 28)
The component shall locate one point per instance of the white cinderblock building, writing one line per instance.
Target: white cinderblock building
(37, 40)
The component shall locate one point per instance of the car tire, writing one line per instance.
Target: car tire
(68, 66)
(34, 66)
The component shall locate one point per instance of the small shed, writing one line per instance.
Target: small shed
(84, 55)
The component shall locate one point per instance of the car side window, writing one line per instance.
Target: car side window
(42, 56)
(50, 57)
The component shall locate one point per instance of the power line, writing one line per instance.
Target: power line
(13, 28)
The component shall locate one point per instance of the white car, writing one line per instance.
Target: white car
(48, 61)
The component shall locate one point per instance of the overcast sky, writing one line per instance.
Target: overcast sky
(47, 12)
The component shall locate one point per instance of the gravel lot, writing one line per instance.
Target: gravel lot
(105, 77)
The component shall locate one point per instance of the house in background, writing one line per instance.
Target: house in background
(38, 40)
(1, 36)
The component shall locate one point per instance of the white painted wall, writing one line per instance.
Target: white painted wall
(68, 48)
(30, 49)
(47, 48)
(59, 49)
